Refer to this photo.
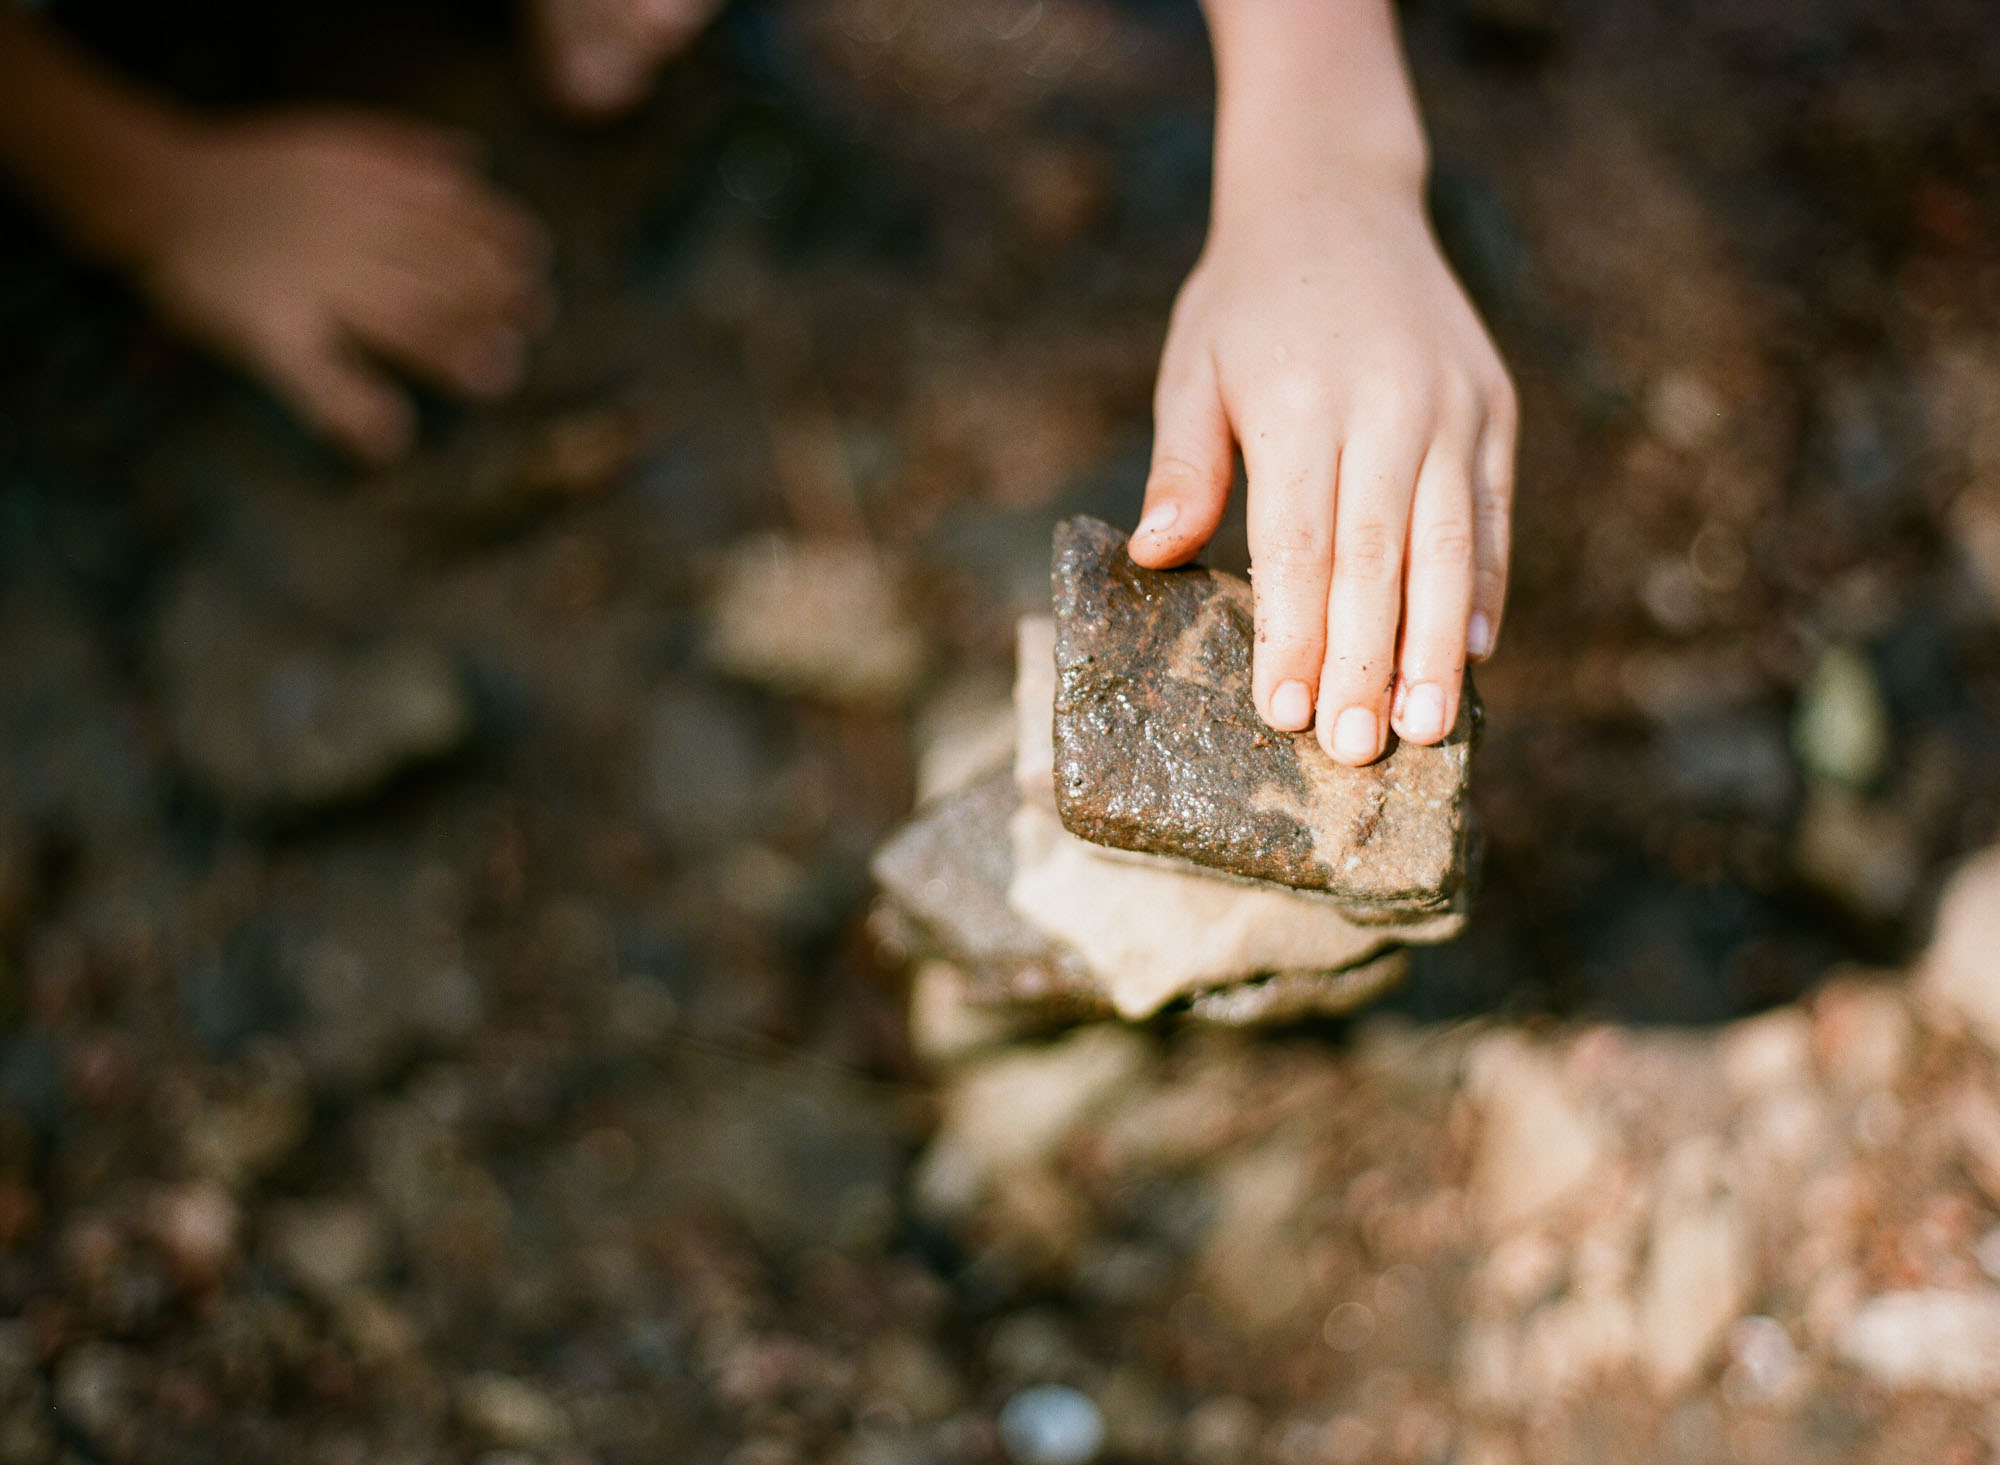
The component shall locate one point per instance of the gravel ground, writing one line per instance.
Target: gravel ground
(438, 1015)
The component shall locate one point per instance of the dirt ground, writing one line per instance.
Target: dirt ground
(439, 1018)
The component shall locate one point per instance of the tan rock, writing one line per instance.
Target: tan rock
(1152, 934)
(510, 1411)
(1960, 974)
(1252, 1259)
(1698, 1267)
(963, 733)
(327, 1248)
(1035, 710)
(1862, 1035)
(816, 618)
(1016, 1107)
(1575, 1342)
(1538, 1148)
(1929, 1339)
(945, 1023)
(1769, 1052)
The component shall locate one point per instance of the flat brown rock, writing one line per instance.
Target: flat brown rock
(1159, 749)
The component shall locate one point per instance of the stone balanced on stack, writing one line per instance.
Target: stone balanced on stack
(1155, 846)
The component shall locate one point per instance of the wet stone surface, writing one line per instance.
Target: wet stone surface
(1160, 750)
(1039, 925)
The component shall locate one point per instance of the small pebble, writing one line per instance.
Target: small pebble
(1051, 1424)
(1763, 1359)
(1988, 1254)
(1841, 729)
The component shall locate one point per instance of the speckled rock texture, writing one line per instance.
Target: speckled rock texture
(1154, 931)
(1158, 748)
(1031, 917)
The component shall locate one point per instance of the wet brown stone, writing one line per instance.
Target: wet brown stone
(1159, 748)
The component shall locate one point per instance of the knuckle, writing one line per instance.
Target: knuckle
(1176, 474)
(1406, 398)
(1366, 553)
(1294, 553)
(1446, 546)
(1458, 398)
(1296, 393)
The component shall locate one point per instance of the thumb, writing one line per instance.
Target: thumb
(1194, 463)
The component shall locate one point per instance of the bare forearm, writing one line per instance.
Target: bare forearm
(77, 139)
(1323, 336)
(1310, 94)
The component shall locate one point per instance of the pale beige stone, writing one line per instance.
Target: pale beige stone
(1539, 1150)
(1698, 1266)
(1931, 1339)
(1961, 971)
(818, 618)
(1155, 933)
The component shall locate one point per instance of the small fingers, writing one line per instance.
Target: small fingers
(478, 246)
(337, 393)
(1492, 524)
(448, 343)
(1437, 601)
(1194, 462)
(1365, 601)
(1290, 522)
(431, 300)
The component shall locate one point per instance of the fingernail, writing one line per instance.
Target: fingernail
(1423, 713)
(1479, 636)
(1159, 519)
(1291, 706)
(1354, 737)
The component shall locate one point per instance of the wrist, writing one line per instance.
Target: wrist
(1313, 102)
(1291, 197)
(92, 149)
(117, 202)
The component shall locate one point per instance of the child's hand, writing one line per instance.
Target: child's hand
(314, 248)
(1324, 336)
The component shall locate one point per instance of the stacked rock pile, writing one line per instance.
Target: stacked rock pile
(1154, 846)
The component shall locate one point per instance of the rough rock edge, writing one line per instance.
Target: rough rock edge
(1269, 847)
(1054, 980)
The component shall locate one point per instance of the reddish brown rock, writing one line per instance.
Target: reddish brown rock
(1160, 750)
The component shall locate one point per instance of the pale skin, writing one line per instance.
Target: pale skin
(335, 255)
(1323, 337)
